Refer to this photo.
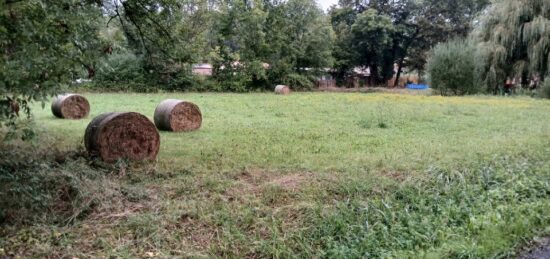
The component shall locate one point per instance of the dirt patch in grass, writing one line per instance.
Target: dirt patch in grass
(196, 234)
(127, 204)
(254, 182)
(291, 182)
(395, 175)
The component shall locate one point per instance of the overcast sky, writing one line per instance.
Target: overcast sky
(325, 4)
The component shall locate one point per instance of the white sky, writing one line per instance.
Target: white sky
(325, 4)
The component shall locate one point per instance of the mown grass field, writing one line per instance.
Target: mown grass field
(338, 175)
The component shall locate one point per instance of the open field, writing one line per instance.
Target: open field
(343, 175)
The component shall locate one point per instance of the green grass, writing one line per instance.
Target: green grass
(318, 175)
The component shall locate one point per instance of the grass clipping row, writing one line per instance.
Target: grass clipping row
(70, 106)
(122, 135)
(177, 115)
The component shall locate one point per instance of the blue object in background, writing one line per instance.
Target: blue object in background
(417, 87)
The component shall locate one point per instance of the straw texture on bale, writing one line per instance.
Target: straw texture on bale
(177, 115)
(122, 135)
(70, 106)
(282, 89)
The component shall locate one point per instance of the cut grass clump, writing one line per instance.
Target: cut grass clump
(40, 186)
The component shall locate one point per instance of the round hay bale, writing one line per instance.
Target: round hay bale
(177, 115)
(70, 106)
(122, 135)
(282, 89)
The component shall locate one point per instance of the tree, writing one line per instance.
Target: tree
(431, 22)
(240, 46)
(418, 26)
(44, 46)
(372, 40)
(514, 37)
(168, 35)
(269, 42)
(300, 42)
(309, 34)
(342, 19)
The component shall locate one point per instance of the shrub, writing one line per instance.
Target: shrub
(128, 72)
(452, 68)
(204, 84)
(178, 81)
(244, 77)
(234, 80)
(121, 69)
(298, 81)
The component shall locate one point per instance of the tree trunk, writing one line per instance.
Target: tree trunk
(374, 74)
(403, 56)
(91, 71)
(399, 70)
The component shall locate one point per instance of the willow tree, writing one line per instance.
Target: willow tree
(514, 39)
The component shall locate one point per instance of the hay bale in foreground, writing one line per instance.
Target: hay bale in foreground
(177, 115)
(122, 135)
(70, 106)
(282, 89)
